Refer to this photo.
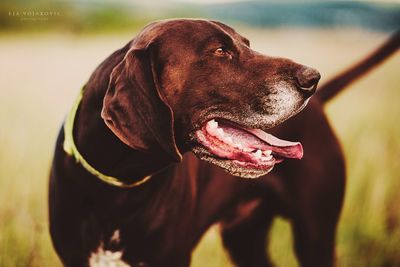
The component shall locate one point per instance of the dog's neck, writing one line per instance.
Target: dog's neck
(100, 148)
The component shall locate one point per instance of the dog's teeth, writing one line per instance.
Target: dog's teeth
(220, 132)
(258, 154)
(267, 152)
(267, 157)
(239, 146)
(213, 124)
(228, 140)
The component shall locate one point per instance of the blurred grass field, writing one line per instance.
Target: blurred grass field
(41, 75)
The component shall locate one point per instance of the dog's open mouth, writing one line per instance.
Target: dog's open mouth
(244, 152)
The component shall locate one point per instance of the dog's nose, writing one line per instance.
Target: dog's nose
(307, 79)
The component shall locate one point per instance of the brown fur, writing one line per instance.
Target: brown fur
(136, 117)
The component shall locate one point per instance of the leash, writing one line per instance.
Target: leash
(71, 149)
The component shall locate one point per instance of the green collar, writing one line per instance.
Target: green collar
(70, 148)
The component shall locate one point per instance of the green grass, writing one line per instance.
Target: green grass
(369, 229)
(42, 74)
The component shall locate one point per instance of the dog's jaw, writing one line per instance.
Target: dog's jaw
(229, 166)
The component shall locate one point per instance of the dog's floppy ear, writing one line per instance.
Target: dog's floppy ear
(134, 109)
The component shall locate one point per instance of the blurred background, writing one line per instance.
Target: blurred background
(48, 49)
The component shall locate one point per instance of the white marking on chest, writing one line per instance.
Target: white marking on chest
(115, 237)
(107, 258)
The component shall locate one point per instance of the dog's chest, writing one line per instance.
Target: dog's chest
(110, 253)
(130, 246)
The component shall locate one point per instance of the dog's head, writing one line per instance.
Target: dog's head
(197, 85)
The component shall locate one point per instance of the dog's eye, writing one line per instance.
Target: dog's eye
(221, 52)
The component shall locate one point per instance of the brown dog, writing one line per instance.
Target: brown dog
(123, 189)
